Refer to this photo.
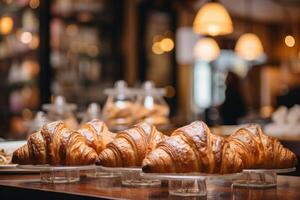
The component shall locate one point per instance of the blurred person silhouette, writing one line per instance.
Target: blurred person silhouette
(233, 107)
(290, 98)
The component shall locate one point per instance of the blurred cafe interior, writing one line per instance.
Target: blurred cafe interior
(168, 62)
(239, 69)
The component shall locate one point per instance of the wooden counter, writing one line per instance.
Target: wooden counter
(29, 187)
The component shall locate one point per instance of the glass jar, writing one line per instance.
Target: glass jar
(38, 122)
(61, 110)
(151, 106)
(93, 112)
(118, 111)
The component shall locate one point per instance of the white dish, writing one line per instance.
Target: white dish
(11, 146)
(190, 176)
(8, 166)
(56, 168)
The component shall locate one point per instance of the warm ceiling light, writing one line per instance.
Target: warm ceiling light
(249, 46)
(166, 44)
(289, 41)
(212, 19)
(6, 25)
(206, 49)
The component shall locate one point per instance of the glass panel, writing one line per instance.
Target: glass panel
(202, 85)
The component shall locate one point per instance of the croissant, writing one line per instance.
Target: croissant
(130, 146)
(54, 144)
(96, 134)
(249, 148)
(193, 148)
(78, 152)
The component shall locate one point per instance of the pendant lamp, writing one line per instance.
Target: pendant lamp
(212, 19)
(206, 49)
(249, 47)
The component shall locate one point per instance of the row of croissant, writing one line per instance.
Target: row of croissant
(192, 148)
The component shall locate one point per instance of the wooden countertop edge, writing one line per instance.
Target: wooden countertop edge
(3, 185)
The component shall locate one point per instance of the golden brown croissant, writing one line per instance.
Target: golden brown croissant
(130, 146)
(78, 152)
(53, 145)
(249, 148)
(96, 134)
(21, 155)
(194, 148)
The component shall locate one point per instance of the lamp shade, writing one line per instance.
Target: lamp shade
(206, 49)
(212, 19)
(249, 46)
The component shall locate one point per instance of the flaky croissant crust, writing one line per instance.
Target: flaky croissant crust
(55, 144)
(193, 148)
(97, 134)
(130, 146)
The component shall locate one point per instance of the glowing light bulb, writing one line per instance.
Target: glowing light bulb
(166, 44)
(289, 41)
(26, 37)
(213, 19)
(6, 25)
(206, 49)
(249, 46)
(156, 49)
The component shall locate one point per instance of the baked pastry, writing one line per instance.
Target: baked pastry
(5, 158)
(78, 152)
(54, 144)
(250, 148)
(130, 146)
(97, 134)
(119, 114)
(156, 114)
(193, 148)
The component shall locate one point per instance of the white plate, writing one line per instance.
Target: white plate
(120, 169)
(11, 146)
(286, 170)
(190, 176)
(56, 168)
(8, 166)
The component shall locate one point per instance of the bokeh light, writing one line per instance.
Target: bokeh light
(34, 4)
(26, 37)
(6, 25)
(289, 41)
(166, 44)
(156, 48)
